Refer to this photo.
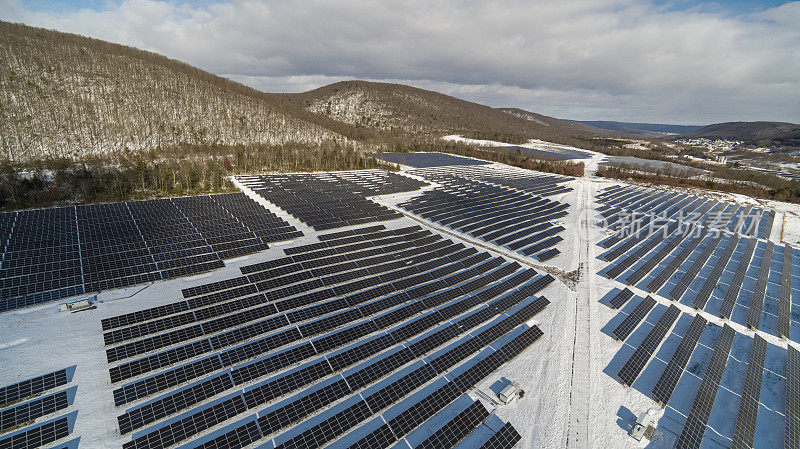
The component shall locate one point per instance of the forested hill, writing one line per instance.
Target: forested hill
(400, 109)
(67, 95)
(754, 133)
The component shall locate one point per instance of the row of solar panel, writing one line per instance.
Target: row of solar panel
(694, 265)
(194, 349)
(340, 420)
(229, 289)
(401, 246)
(105, 246)
(332, 200)
(628, 207)
(429, 159)
(505, 217)
(357, 298)
(146, 386)
(23, 403)
(694, 429)
(536, 183)
(478, 300)
(264, 308)
(351, 382)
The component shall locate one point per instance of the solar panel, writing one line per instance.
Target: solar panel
(630, 322)
(736, 283)
(428, 159)
(792, 399)
(382, 437)
(757, 300)
(455, 430)
(634, 239)
(655, 259)
(32, 387)
(327, 430)
(663, 276)
(692, 434)
(160, 360)
(424, 409)
(745, 427)
(22, 413)
(140, 330)
(505, 438)
(165, 380)
(713, 278)
(697, 265)
(173, 403)
(96, 247)
(240, 436)
(188, 426)
(669, 378)
(421, 292)
(40, 435)
(395, 390)
(630, 371)
(784, 297)
(629, 261)
(331, 200)
(492, 213)
(151, 344)
(621, 298)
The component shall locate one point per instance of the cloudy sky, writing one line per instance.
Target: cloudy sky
(684, 62)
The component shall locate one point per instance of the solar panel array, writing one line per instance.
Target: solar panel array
(534, 182)
(792, 399)
(466, 423)
(455, 430)
(693, 431)
(701, 252)
(627, 325)
(692, 434)
(420, 160)
(300, 350)
(745, 427)
(552, 151)
(633, 367)
(625, 205)
(515, 219)
(332, 200)
(32, 411)
(784, 295)
(55, 253)
(663, 389)
(621, 298)
(505, 438)
(757, 299)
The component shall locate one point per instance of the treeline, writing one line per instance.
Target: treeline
(497, 137)
(175, 171)
(759, 186)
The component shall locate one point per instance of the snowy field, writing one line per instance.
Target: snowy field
(572, 395)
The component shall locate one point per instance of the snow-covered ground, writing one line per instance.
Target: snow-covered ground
(555, 149)
(572, 399)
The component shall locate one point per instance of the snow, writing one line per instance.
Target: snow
(572, 397)
(534, 144)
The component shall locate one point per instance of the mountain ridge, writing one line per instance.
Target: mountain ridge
(648, 129)
(761, 133)
(66, 95)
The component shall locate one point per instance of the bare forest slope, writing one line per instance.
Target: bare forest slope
(401, 109)
(67, 95)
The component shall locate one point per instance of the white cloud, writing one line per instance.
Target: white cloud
(592, 59)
